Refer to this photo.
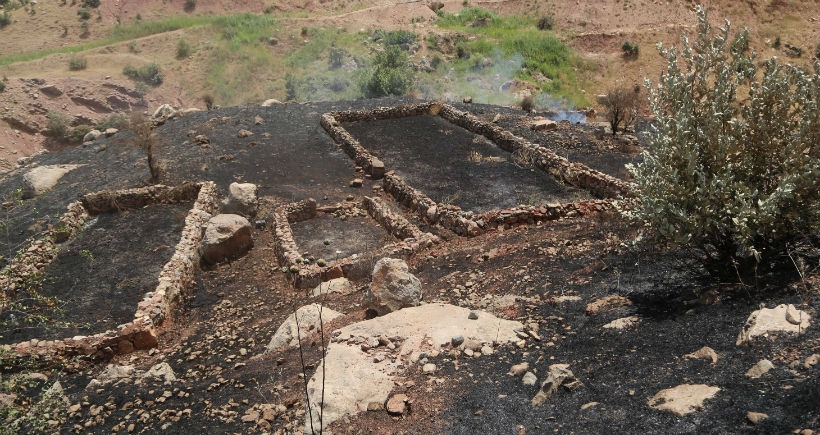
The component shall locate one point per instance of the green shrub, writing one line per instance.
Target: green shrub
(190, 5)
(184, 49)
(115, 120)
(527, 104)
(5, 19)
(337, 57)
(395, 37)
(2, 86)
(76, 63)
(733, 163)
(76, 134)
(390, 75)
(630, 50)
(91, 3)
(58, 123)
(84, 14)
(149, 74)
(545, 23)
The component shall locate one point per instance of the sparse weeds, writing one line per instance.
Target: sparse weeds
(77, 63)
(150, 73)
(184, 48)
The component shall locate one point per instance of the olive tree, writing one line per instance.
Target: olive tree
(733, 163)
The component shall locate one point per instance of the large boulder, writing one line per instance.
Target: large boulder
(242, 200)
(92, 136)
(393, 287)
(308, 324)
(43, 178)
(683, 399)
(226, 236)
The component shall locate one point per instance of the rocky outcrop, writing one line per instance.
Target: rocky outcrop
(381, 349)
(226, 236)
(43, 178)
(392, 288)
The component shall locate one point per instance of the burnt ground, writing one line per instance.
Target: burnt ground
(470, 171)
(344, 236)
(215, 343)
(94, 292)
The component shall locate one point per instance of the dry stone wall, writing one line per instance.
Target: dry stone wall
(174, 280)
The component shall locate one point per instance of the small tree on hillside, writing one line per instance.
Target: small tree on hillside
(733, 166)
(620, 106)
(391, 74)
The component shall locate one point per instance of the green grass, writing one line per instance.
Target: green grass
(499, 40)
(120, 33)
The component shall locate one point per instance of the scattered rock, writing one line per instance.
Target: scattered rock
(472, 315)
(529, 378)
(756, 417)
(683, 399)
(258, 120)
(392, 288)
(589, 405)
(543, 124)
(559, 376)
(43, 178)
(397, 405)
(337, 285)
(356, 182)
(244, 133)
(242, 200)
(51, 91)
(761, 368)
(705, 352)
(308, 321)
(623, 322)
(202, 139)
(110, 132)
(163, 113)
(226, 236)
(161, 371)
(518, 369)
(607, 303)
(271, 101)
(457, 340)
(783, 318)
(811, 361)
(428, 368)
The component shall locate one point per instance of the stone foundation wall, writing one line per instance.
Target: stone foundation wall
(174, 280)
(531, 215)
(573, 173)
(310, 275)
(449, 216)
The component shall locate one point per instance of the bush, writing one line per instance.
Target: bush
(391, 74)
(733, 166)
(2, 86)
(5, 19)
(337, 57)
(545, 23)
(208, 99)
(183, 49)
(115, 120)
(91, 3)
(58, 124)
(630, 50)
(77, 63)
(149, 74)
(527, 104)
(620, 107)
(190, 5)
(76, 134)
(84, 14)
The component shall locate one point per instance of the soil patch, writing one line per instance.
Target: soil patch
(454, 166)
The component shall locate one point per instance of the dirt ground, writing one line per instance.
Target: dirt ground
(215, 342)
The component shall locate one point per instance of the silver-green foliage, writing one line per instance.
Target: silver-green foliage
(733, 166)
